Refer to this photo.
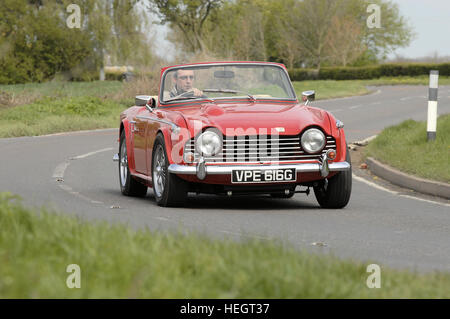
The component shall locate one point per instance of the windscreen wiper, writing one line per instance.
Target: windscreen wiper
(230, 91)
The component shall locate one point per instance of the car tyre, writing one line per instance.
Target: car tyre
(336, 193)
(128, 185)
(169, 189)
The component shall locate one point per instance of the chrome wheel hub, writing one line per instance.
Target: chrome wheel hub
(159, 174)
(123, 164)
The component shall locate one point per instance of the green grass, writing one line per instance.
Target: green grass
(328, 89)
(405, 147)
(52, 107)
(63, 89)
(51, 115)
(118, 262)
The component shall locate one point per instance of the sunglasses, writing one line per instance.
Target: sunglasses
(185, 77)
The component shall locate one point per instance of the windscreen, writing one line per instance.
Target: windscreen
(227, 81)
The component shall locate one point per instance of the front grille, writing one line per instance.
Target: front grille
(257, 149)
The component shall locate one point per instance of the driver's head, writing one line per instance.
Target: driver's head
(183, 80)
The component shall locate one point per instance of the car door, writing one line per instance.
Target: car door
(139, 128)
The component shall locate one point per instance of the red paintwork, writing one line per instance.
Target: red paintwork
(292, 115)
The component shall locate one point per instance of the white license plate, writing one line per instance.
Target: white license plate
(264, 176)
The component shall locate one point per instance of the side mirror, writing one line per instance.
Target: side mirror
(146, 100)
(308, 96)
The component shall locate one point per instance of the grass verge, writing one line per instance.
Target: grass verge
(328, 89)
(405, 147)
(52, 107)
(117, 262)
(52, 115)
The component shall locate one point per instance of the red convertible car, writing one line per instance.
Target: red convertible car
(231, 128)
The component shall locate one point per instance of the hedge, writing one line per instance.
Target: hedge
(369, 72)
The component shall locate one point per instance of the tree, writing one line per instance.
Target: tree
(36, 43)
(188, 16)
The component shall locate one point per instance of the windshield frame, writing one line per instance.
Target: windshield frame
(205, 65)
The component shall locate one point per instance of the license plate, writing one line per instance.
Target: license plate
(264, 176)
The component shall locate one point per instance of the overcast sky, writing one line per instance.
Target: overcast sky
(430, 20)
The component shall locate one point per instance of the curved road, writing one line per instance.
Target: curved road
(74, 173)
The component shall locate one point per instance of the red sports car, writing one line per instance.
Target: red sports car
(231, 128)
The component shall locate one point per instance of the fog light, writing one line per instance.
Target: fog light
(331, 154)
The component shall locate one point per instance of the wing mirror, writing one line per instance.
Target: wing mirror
(308, 96)
(146, 100)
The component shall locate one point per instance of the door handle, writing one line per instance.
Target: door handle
(133, 127)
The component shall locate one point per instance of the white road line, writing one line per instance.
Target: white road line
(354, 106)
(363, 180)
(59, 171)
(61, 168)
(375, 103)
(92, 153)
(360, 179)
(406, 98)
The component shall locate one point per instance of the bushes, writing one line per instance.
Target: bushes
(369, 72)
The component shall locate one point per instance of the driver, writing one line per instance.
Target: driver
(182, 82)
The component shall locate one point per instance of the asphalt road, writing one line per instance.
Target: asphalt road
(393, 229)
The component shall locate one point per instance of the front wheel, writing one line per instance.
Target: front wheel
(169, 189)
(336, 192)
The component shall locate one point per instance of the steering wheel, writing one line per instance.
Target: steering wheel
(189, 94)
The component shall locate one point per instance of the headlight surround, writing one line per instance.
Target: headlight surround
(208, 143)
(313, 140)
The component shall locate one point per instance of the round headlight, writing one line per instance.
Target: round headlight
(313, 140)
(209, 143)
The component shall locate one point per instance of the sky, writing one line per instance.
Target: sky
(430, 20)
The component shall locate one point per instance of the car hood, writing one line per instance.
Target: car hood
(253, 118)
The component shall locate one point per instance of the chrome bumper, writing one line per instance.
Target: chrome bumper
(227, 169)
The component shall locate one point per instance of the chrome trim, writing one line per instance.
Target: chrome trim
(163, 76)
(227, 169)
(116, 158)
(200, 169)
(339, 124)
(175, 128)
(324, 166)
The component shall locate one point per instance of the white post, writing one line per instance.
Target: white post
(432, 105)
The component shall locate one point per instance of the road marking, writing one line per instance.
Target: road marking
(355, 106)
(406, 98)
(61, 168)
(59, 171)
(361, 179)
(375, 103)
(92, 153)
(373, 184)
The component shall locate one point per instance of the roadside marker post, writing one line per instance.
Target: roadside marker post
(432, 105)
